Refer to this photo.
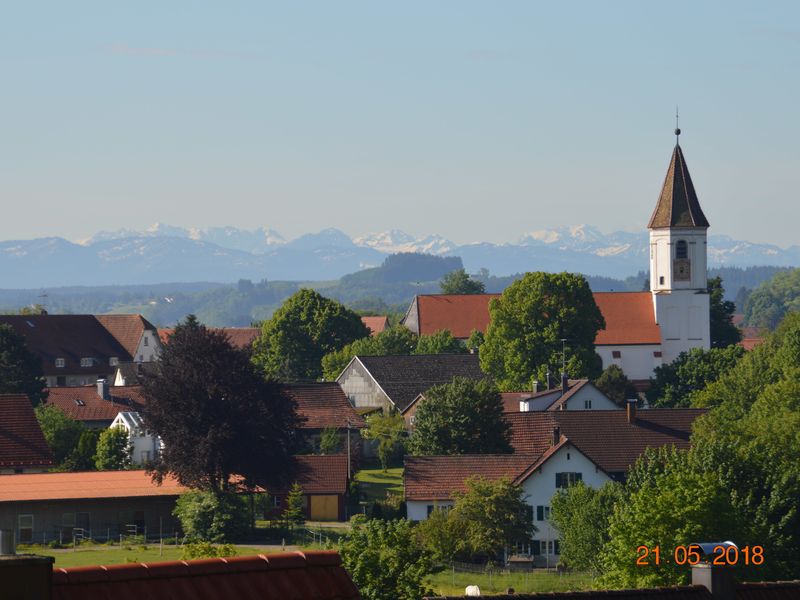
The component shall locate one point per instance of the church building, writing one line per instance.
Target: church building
(643, 329)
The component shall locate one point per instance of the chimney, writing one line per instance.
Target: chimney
(550, 384)
(102, 389)
(535, 386)
(564, 383)
(717, 579)
(632, 410)
(524, 404)
(556, 435)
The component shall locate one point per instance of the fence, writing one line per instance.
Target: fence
(73, 536)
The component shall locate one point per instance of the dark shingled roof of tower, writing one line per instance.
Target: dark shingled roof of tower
(677, 205)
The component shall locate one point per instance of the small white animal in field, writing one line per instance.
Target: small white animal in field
(472, 590)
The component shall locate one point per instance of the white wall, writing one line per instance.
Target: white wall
(662, 255)
(685, 322)
(417, 510)
(588, 392)
(636, 361)
(149, 347)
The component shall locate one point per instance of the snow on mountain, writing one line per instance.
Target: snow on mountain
(394, 240)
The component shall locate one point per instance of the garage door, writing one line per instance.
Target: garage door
(324, 508)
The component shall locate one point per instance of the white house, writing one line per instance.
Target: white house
(145, 447)
(552, 450)
(572, 394)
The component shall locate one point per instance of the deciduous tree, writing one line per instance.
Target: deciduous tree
(389, 430)
(113, 451)
(441, 342)
(614, 384)
(462, 417)
(216, 414)
(528, 322)
(396, 340)
(212, 517)
(61, 432)
(458, 282)
(20, 369)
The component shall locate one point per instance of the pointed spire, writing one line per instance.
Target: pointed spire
(677, 205)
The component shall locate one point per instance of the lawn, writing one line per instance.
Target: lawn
(375, 482)
(113, 555)
(535, 581)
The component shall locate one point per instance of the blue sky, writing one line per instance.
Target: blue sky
(475, 120)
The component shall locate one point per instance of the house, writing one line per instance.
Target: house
(144, 445)
(395, 381)
(23, 448)
(314, 575)
(552, 450)
(239, 337)
(324, 481)
(75, 349)
(325, 405)
(44, 507)
(572, 394)
(643, 329)
(96, 406)
(376, 324)
(136, 334)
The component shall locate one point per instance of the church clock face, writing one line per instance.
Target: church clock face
(681, 269)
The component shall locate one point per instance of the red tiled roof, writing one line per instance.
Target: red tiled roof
(604, 436)
(320, 474)
(239, 337)
(291, 576)
(750, 343)
(85, 485)
(437, 477)
(629, 319)
(629, 316)
(324, 405)
(71, 337)
(84, 404)
(376, 324)
(127, 329)
(545, 400)
(22, 443)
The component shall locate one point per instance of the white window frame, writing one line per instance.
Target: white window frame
(60, 363)
(113, 361)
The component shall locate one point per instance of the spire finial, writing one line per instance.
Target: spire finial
(677, 129)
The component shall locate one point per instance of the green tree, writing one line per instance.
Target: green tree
(458, 282)
(528, 322)
(113, 450)
(493, 515)
(61, 432)
(330, 440)
(461, 417)
(389, 429)
(476, 339)
(217, 416)
(441, 342)
(303, 330)
(614, 384)
(676, 383)
(396, 340)
(581, 514)
(294, 514)
(82, 457)
(771, 301)
(723, 332)
(675, 505)
(442, 536)
(212, 517)
(20, 369)
(386, 561)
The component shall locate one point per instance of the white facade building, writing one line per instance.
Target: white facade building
(145, 447)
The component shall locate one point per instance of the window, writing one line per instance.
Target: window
(564, 480)
(616, 354)
(681, 250)
(146, 341)
(60, 363)
(657, 353)
(542, 513)
(661, 280)
(61, 381)
(113, 361)
(276, 502)
(87, 362)
(25, 526)
(587, 404)
(545, 546)
(141, 358)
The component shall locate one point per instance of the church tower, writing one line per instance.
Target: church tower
(678, 263)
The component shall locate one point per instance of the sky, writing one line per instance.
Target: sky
(479, 121)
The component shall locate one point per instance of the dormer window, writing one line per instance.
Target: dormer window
(87, 362)
(113, 361)
(681, 250)
(60, 363)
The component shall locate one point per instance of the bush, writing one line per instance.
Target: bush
(208, 517)
(207, 550)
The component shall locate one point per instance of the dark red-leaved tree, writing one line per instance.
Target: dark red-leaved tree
(219, 419)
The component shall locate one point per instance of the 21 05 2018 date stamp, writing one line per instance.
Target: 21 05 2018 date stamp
(729, 555)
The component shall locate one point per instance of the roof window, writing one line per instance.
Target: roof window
(60, 362)
(80, 402)
(87, 362)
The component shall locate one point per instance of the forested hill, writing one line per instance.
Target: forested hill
(383, 290)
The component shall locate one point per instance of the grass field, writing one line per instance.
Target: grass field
(447, 583)
(375, 482)
(113, 555)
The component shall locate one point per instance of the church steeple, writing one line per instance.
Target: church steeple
(678, 205)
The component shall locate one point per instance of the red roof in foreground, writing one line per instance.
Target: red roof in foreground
(629, 316)
(324, 405)
(290, 576)
(85, 404)
(22, 443)
(83, 485)
(376, 324)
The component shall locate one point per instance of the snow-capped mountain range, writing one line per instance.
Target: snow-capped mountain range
(164, 253)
